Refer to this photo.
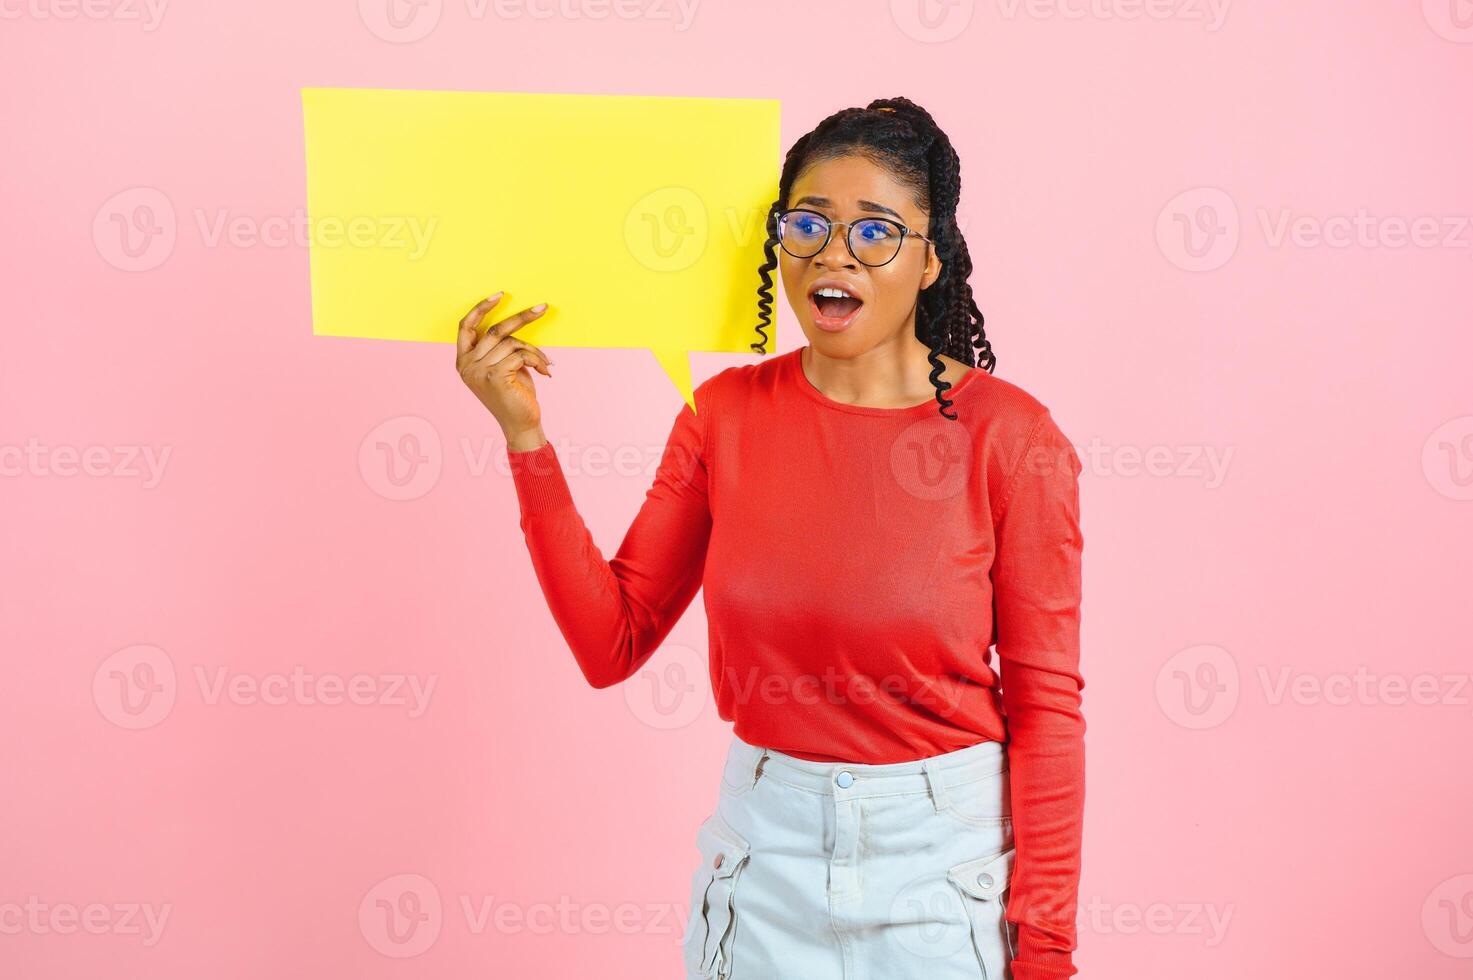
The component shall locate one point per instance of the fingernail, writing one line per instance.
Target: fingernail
(495, 295)
(539, 307)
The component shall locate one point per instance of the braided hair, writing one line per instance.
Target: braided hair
(902, 136)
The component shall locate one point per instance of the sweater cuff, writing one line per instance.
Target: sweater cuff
(1037, 960)
(1046, 968)
(538, 477)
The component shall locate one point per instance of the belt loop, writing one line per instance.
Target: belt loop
(757, 771)
(937, 784)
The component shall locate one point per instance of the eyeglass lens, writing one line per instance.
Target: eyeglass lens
(874, 241)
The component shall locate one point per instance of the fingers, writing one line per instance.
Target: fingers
(497, 331)
(489, 354)
(532, 356)
(525, 357)
(466, 336)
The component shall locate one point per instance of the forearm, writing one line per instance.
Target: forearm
(615, 613)
(1047, 780)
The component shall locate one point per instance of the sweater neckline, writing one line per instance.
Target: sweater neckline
(800, 380)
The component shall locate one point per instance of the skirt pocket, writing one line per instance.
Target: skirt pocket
(710, 932)
(983, 886)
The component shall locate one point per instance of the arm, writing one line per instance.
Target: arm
(1036, 583)
(615, 614)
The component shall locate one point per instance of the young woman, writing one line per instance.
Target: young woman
(868, 515)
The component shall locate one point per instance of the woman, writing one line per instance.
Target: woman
(868, 514)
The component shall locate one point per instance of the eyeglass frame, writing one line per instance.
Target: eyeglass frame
(905, 232)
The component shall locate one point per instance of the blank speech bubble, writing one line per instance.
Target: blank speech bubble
(640, 220)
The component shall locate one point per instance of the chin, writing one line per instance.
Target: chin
(845, 344)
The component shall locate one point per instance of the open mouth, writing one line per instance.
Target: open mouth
(834, 308)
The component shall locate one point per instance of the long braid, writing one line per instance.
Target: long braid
(903, 135)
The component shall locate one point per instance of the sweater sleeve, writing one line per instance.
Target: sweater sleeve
(614, 614)
(1036, 594)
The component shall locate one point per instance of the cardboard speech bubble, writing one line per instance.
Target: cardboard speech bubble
(640, 220)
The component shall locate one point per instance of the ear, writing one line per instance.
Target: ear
(932, 271)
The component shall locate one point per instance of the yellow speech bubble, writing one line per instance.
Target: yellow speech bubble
(638, 219)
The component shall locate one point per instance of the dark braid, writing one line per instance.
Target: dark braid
(901, 135)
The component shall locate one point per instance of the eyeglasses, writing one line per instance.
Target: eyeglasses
(803, 234)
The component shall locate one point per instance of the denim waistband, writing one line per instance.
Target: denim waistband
(850, 779)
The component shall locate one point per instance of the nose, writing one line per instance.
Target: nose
(836, 253)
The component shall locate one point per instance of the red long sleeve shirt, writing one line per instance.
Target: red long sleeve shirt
(857, 565)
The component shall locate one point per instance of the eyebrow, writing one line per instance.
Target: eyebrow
(824, 202)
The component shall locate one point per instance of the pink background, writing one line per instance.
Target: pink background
(1329, 833)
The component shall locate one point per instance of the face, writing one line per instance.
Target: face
(848, 189)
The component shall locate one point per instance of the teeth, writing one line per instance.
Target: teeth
(834, 292)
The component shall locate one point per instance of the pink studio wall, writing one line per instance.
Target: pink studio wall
(1228, 245)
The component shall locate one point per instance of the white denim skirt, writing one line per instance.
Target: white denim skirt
(840, 871)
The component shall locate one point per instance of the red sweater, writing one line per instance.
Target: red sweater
(857, 565)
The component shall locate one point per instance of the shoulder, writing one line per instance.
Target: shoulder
(1013, 427)
(729, 387)
(1010, 410)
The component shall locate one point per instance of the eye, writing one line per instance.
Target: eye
(876, 230)
(807, 224)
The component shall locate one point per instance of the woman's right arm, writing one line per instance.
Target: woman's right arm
(614, 614)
